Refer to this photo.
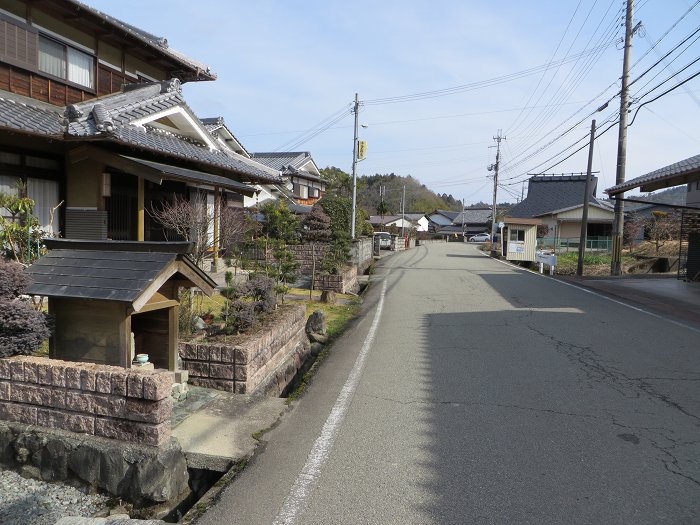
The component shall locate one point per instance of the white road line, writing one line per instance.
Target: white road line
(308, 477)
(603, 296)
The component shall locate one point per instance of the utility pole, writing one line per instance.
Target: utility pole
(586, 196)
(403, 210)
(356, 110)
(495, 166)
(619, 219)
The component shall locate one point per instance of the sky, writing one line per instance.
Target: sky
(532, 72)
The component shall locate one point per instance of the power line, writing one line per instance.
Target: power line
(477, 85)
(316, 130)
(539, 82)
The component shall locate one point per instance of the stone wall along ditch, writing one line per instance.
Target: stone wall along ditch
(86, 398)
(262, 362)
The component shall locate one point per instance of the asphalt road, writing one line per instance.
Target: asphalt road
(485, 394)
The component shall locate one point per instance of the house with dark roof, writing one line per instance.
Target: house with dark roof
(686, 171)
(302, 182)
(467, 222)
(440, 219)
(413, 221)
(474, 220)
(558, 201)
(94, 122)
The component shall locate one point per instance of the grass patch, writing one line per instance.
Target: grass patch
(338, 317)
(593, 263)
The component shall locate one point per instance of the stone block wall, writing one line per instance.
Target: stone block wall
(249, 366)
(86, 398)
(361, 253)
(345, 282)
(304, 256)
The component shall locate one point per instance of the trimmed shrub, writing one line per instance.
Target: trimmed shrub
(246, 302)
(13, 280)
(22, 328)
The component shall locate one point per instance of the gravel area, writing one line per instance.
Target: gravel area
(32, 502)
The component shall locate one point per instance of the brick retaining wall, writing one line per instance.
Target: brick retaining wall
(248, 366)
(100, 400)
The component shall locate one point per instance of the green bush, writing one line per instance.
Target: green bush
(247, 302)
(22, 328)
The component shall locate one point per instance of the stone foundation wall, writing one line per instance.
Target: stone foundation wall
(253, 365)
(85, 398)
(136, 473)
(345, 282)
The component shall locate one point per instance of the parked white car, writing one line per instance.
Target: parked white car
(480, 237)
(384, 239)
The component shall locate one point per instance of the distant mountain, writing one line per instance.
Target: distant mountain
(418, 197)
(675, 196)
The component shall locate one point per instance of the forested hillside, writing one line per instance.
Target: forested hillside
(372, 190)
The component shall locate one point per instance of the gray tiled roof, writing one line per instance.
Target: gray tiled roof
(134, 103)
(452, 215)
(281, 160)
(20, 116)
(548, 193)
(671, 175)
(139, 101)
(379, 220)
(160, 142)
(108, 118)
(213, 124)
(160, 44)
(474, 216)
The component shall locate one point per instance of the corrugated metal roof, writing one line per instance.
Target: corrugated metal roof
(671, 175)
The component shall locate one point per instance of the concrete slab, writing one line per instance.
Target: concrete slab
(218, 432)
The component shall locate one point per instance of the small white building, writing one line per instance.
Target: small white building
(519, 242)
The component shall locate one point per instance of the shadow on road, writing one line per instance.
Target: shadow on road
(546, 406)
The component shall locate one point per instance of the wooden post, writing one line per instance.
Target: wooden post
(140, 211)
(217, 212)
(173, 322)
(125, 342)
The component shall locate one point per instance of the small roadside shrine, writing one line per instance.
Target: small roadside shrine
(112, 300)
(520, 239)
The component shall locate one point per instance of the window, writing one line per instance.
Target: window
(516, 235)
(62, 61)
(304, 192)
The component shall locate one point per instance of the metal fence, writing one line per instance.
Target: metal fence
(571, 244)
